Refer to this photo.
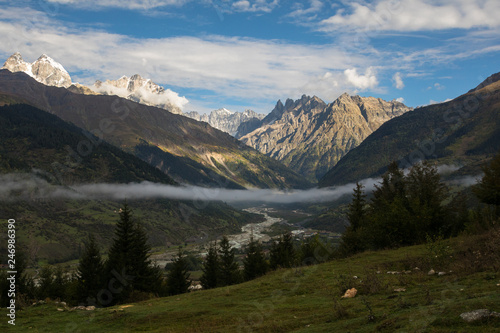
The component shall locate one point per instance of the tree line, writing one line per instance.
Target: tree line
(407, 209)
(128, 275)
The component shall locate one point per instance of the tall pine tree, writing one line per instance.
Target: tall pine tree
(488, 188)
(352, 239)
(128, 260)
(210, 276)
(89, 272)
(178, 277)
(255, 263)
(282, 252)
(228, 267)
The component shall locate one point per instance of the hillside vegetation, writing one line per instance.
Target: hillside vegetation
(395, 293)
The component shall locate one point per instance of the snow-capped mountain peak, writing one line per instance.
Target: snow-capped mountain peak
(143, 91)
(45, 70)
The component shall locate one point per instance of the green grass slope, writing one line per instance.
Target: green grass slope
(463, 132)
(393, 296)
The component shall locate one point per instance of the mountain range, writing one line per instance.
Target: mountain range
(37, 151)
(189, 151)
(45, 70)
(462, 133)
(226, 120)
(310, 136)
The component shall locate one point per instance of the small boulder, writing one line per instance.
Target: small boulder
(399, 290)
(479, 314)
(441, 273)
(431, 272)
(350, 293)
(90, 308)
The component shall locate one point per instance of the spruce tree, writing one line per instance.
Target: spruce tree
(282, 253)
(488, 188)
(128, 260)
(255, 264)
(209, 279)
(228, 267)
(147, 277)
(425, 193)
(352, 239)
(178, 277)
(356, 211)
(90, 271)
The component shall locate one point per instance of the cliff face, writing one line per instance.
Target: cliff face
(463, 132)
(311, 136)
(225, 120)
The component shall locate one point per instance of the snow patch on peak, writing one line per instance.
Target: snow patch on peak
(224, 111)
(141, 90)
(52, 62)
(45, 70)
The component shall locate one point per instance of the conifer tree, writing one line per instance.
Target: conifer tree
(356, 212)
(352, 239)
(255, 264)
(209, 279)
(488, 188)
(178, 277)
(228, 267)
(129, 258)
(282, 253)
(90, 271)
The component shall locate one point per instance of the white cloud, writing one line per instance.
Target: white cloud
(23, 186)
(254, 6)
(400, 99)
(127, 4)
(231, 67)
(360, 81)
(167, 97)
(415, 15)
(398, 81)
(299, 11)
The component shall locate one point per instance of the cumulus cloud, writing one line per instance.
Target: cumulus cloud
(361, 81)
(398, 81)
(400, 99)
(415, 15)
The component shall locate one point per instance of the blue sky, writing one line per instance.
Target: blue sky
(247, 54)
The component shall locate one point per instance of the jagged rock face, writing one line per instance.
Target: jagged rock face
(45, 70)
(311, 136)
(225, 120)
(141, 90)
(81, 89)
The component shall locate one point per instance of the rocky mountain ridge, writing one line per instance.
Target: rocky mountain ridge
(311, 136)
(45, 70)
(463, 133)
(226, 120)
(136, 88)
(189, 151)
